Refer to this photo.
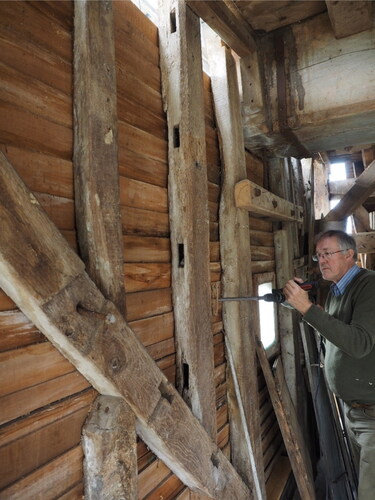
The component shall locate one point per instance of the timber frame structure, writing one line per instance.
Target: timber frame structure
(145, 172)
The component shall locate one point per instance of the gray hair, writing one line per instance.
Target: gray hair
(344, 240)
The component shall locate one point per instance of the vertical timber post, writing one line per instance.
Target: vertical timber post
(182, 81)
(97, 203)
(236, 265)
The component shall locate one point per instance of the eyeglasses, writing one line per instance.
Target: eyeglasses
(326, 255)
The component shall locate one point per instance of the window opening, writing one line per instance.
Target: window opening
(338, 173)
(267, 316)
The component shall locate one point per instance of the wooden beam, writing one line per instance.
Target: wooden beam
(361, 220)
(233, 29)
(99, 233)
(182, 79)
(46, 279)
(290, 429)
(365, 242)
(363, 186)
(109, 445)
(348, 18)
(235, 261)
(259, 201)
(95, 148)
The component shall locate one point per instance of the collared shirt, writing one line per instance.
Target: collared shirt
(340, 287)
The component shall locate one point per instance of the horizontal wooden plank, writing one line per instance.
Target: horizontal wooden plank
(261, 238)
(146, 249)
(52, 480)
(60, 210)
(254, 168)
(6, 303)
(31, 365)
(149, 303)
(262, 253)
(35, 97)
(262, 266)
(141, 142)
(27, 22)
(61, 12)
(146, 276)
(257, 200)
(154, 329)
(151, 477)
(135, 89)
(41, 172)
(135, 165)
(169, 488)
(135, 23)
(16, 330)
(137, 194)
(31, 398)
(161, 349)
(24, 129)
(258, 224)
(144, 222)
(131, 112)
(59, 426)
(35, 61)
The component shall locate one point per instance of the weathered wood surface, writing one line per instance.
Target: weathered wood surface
(109, 444)
(181, 67)
(363, 187)
(235, 259)
(231, 27)
(49, 284)
(365, 242)
(259, 201)
(109, 437)
(348, 18)
(286, 416)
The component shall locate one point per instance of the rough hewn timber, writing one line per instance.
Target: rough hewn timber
(109, 471)
(182, 78)
(46, 279)
(235, 261)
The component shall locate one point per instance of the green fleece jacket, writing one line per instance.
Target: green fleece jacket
(348, 324)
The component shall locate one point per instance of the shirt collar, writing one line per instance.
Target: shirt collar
(340, 287)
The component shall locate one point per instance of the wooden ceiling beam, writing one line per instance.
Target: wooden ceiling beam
(233, 29)
(363, 187)
(47, 280)
(348, 18)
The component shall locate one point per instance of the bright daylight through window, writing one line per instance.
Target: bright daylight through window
(266, 316)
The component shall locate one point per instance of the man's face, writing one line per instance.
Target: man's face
(333, 267)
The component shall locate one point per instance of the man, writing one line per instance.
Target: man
(348, 325)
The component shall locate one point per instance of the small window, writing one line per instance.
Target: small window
(266, 312)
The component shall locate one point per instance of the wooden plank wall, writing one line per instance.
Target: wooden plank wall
(43, 399)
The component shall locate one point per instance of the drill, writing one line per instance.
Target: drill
(277, 294)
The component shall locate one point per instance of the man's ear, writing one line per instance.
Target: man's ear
(350, 253)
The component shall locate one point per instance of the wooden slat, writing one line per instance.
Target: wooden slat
(138, 194)
(135, 165)
(23, 129)
(53, 480)
(259, 201)
(31, 398)
(154, 329)
(148, 303)
(59, 425)
(145, 222)
(42, 173)
(16, 330)
(23, 19)
(31, 365)
(147, 276)
(141, 142)
(146, 248)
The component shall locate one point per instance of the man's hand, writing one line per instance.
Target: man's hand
(296, 296)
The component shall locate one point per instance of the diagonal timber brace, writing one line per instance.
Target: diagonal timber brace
(47, 280)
